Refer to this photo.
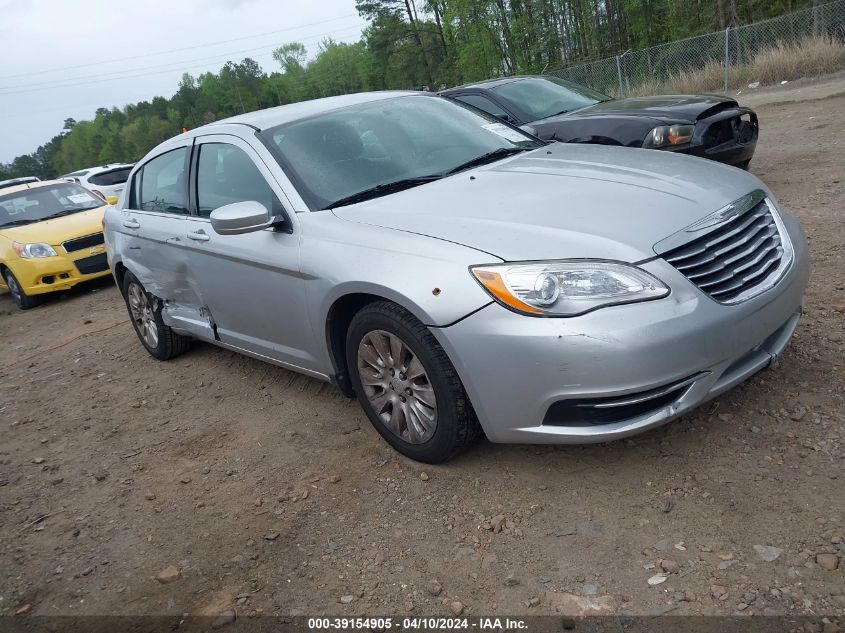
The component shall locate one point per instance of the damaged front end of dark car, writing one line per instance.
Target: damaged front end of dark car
(709, 126)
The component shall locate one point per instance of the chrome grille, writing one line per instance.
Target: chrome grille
(730, 262)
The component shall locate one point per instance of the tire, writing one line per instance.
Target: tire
(744, 164)
(21, 299)
(145, 313)
(399, 405)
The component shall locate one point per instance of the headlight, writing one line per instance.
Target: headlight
(567, 288)
(28, 251)
(669, 136)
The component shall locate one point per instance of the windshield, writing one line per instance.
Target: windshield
(542, 97)
(410, 140)
(112, 177)
(41, 203)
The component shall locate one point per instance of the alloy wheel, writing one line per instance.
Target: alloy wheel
(397, 386)
(142, 315)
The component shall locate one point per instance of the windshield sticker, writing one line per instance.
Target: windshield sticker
(79, 198)
(505, 132)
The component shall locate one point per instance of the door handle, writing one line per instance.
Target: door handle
(199, 236)
(132, 224)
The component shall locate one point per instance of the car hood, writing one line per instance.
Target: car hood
(563, 201)
(674, 108)
(57, 230)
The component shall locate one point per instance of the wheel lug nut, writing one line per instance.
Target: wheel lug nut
(402, 398)
(408, 391)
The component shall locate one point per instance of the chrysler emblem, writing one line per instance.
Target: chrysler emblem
(728, 212)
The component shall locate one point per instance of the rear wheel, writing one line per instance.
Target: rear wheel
(19, 296)
(158, 339)
(744, 164)
(407, 386)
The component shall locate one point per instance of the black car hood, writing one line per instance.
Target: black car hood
(674, 108)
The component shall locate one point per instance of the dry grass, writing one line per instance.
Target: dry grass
(812, 56)
(709, 78)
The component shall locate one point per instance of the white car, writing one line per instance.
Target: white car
(105, 180)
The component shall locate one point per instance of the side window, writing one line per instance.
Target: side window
(225, 174)
(483, 103)
(160, 184)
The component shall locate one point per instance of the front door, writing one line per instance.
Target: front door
(250, 283)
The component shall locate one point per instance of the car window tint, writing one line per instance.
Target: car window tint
(485, 104)
(113, 177)
(162, 184)
(225, 174)
(543, 97)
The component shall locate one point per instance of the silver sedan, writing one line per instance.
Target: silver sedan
(458, 276)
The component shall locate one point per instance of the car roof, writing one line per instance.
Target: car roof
(271, 117)
(20, 180)
(93, 171)
(31, 185)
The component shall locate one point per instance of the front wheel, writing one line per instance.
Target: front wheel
(19, 296)
(156, 337)
(407, 386)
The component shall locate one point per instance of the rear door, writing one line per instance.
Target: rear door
(156, 219)
(251, 283)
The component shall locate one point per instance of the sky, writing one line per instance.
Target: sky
(62, 59)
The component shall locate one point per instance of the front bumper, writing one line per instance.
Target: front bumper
(724, 137)
(41, 275)
(515, 367)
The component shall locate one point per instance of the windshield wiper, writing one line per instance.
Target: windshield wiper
(67, 212)
(17, 223)
(383, 189)
(489, 157)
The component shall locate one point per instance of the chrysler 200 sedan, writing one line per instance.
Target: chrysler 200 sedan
(455, 274)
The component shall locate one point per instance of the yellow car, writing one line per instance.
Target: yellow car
(51, 238)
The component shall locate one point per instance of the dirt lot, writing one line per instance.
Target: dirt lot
(269, 493)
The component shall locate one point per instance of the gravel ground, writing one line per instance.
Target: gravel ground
(215, 482)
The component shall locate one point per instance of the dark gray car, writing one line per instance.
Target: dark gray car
(710, 126)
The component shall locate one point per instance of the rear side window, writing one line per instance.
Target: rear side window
(483, 103)
(226, 174)
(160, 185)
(113, 177)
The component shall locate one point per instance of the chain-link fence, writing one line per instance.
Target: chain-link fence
(708, 62)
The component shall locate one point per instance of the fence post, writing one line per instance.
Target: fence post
(619, 75)
(727, 56)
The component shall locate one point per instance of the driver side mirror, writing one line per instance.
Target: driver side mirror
(241, 217)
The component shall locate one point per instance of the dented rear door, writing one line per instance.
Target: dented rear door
(156, 216)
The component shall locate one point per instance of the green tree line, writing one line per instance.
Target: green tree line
(407, 44)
